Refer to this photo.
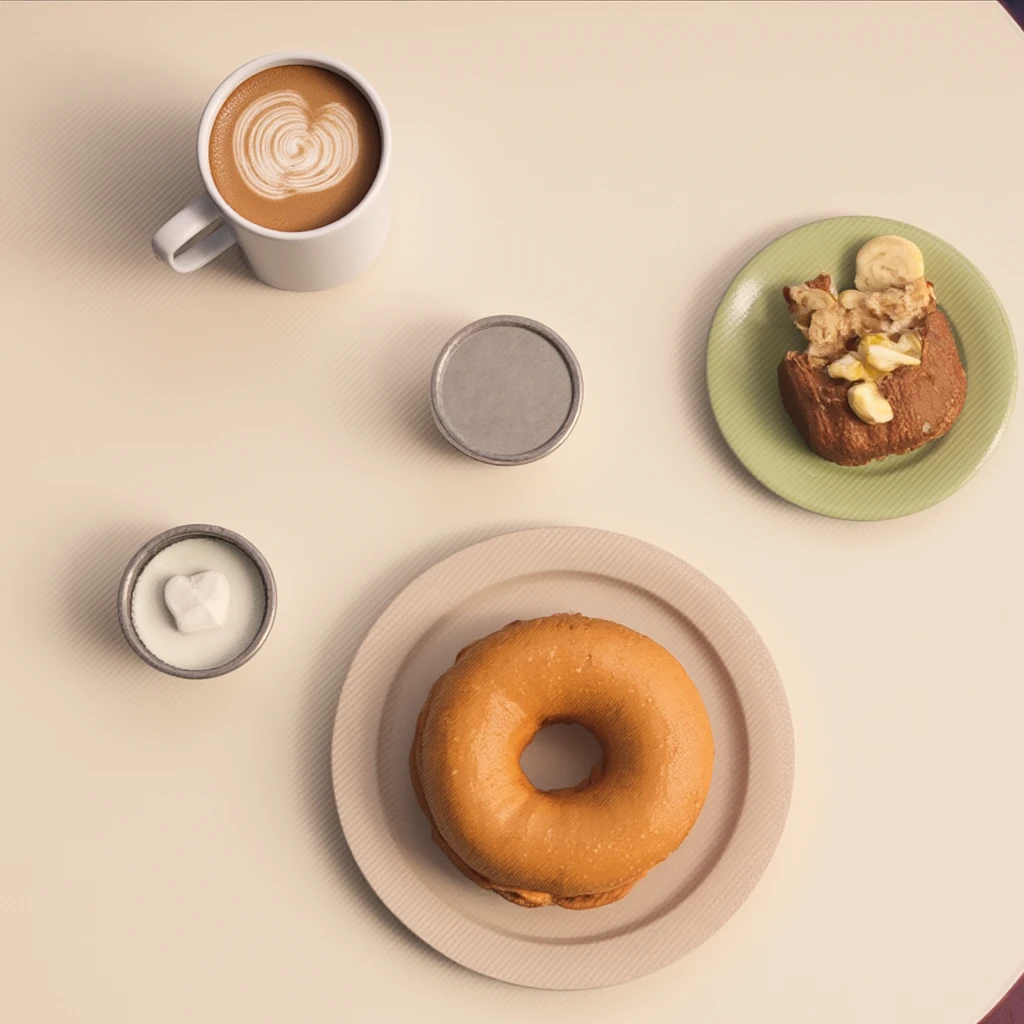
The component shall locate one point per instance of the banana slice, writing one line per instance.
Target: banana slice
(848, 367)
(888, 262)
(869, 403)
(910, 342)
(887, 359)
(880, 353)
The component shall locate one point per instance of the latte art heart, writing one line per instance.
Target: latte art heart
(281, 150)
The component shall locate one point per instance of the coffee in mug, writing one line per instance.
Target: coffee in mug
(295, 147)
(294, 150)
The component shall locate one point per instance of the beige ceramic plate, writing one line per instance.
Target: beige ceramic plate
(684, 900)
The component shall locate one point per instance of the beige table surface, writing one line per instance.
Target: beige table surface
(170, 852)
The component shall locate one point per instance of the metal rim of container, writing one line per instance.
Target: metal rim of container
(507, 320)
(152, 548)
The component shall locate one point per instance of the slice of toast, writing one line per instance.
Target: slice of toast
(925, 400)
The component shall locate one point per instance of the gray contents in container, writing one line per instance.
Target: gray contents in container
(506, 390)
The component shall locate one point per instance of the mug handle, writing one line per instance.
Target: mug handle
(185, 225)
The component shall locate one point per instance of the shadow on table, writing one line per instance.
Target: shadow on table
(382, 401)
(85, 596)
(693, 347)
(112, 172)
(316, 721)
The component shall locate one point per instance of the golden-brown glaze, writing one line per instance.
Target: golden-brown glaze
(588, 845)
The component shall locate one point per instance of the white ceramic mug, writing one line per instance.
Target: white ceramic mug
(300, 261)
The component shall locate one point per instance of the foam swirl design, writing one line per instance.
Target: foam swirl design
(281, 150)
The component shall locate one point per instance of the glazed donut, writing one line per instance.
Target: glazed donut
(587, 845)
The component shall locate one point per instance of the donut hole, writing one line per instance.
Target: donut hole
(560, 755)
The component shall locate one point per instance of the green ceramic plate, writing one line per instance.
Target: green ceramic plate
(751, 332)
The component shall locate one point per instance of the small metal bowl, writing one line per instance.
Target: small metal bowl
(516, 395)
(154, 547)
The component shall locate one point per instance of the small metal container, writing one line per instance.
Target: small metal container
(154, 547)
(506, 390)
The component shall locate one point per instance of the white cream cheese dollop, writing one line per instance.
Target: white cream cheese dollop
(199, 601)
